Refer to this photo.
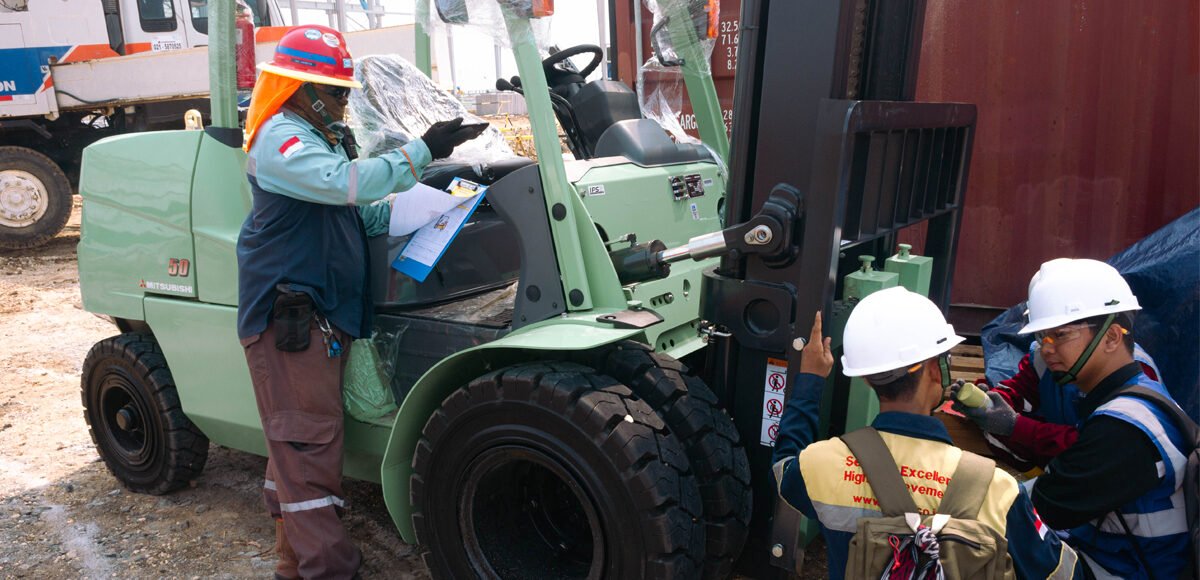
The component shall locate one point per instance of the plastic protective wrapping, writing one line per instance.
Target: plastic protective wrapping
(483, 18)
(412, 342)
(660, 78)
(365, 391)
(398, 103)
(1163, 269)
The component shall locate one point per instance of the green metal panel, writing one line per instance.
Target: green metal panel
(697, 77)
(135, 191)
(219, 398)
(222, 63)
(220, 203)
(628, 199)
(860, 284)
(570, 333)
(915, 271)
(567, 233)
(423, 55)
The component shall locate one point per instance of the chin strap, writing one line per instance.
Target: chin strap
(1072, 374)
(317, 106)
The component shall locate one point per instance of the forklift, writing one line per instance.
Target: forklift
(581, 384)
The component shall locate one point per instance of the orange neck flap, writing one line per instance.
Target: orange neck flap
(271, 91)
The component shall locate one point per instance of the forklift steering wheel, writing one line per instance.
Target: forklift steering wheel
(548, 64)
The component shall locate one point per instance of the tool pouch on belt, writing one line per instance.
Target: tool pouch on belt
(293, 318)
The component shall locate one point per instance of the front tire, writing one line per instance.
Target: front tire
(552, 470)
(704, 431)
(135, 419)
(35, 198)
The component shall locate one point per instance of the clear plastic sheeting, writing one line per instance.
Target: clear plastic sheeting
(660, 79)
(484, 18)
(398, 103)
(1161, 271)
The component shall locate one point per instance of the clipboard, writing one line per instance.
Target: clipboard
(428, 244)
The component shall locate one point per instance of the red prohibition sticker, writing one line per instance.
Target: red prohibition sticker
(774, 408)
(773, 431)
(776, 381)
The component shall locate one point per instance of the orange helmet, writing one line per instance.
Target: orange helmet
(315, 54)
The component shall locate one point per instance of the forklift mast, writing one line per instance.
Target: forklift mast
(827, 128)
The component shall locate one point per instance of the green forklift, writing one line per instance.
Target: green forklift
(580, 382)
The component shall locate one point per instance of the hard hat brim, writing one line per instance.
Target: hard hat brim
(943, 348)
(309, 77)
(1048, 322)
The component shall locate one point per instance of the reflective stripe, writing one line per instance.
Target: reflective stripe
(268, 484)
(306, 55)
(841, 518)
(1098, 571)
(1168, 522)
(994, 441)
(1039, 363)
(352, 191)
(1137, 413)
(312, 504)
(1067, 558)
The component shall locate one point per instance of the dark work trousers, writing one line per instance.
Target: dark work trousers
(300, 402)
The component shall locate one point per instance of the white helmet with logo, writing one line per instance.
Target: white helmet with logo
(893, 329)
(1065, 290)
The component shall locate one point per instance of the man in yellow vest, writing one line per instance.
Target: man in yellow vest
(900, 343)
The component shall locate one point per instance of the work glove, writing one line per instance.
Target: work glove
(443, 136)
(995, 417)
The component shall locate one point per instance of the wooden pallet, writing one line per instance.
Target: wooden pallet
(966, 362)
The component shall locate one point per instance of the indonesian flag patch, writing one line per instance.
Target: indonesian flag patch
(290, 147)
(1039, 526)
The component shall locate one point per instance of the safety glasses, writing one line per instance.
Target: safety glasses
(1060, 335)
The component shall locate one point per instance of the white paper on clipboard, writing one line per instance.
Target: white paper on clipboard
(419, 206)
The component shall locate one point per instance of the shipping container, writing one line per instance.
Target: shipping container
(1089, 123)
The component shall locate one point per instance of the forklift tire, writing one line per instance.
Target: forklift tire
(553, 470)
(135, 419)
(708, 436)
(35, 198)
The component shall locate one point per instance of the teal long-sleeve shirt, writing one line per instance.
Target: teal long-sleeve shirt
(304, 224)
(290, 157)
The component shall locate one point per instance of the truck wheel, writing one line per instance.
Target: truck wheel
(35, 198)
(134, 416)
(552, 470)
(708, 436)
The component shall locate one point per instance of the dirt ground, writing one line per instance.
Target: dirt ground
(62, 515)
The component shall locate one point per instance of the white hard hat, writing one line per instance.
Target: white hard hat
(893, 329)
(1066, 290)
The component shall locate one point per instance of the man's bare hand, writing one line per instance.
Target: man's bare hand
(817, 358)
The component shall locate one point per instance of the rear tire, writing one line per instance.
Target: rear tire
(35, 198)
(552, 470)
(135, 419)
(707, 435)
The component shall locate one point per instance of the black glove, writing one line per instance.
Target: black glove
(443, 136)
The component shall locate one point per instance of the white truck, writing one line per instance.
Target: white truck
(75, 71)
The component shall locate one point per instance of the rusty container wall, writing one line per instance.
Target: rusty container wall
(1088, 136)
(723, 63)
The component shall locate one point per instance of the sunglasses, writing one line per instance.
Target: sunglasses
(336, 92)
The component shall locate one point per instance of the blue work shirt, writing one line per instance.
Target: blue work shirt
(310, 219)
(836, 493)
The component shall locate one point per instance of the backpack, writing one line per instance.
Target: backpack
(904, 544)
(1191, 470)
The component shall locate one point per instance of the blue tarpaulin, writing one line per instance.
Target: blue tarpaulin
(1163, 269)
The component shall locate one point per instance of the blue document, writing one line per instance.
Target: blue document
(429, 243)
